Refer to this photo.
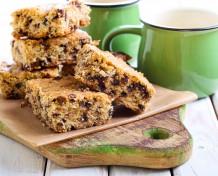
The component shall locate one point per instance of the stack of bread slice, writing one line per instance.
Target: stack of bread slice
(80, 94)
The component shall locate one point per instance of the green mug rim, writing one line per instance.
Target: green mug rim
(180, 29)
(109, 5)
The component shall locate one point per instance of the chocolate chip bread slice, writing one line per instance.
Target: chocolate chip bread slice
(65, 104)
(13, 80)
(52, 20)
(106, 73)
(51, 52)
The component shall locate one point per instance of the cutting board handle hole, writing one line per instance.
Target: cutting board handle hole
(157, 133)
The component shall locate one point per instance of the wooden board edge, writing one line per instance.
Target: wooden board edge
(120, 155)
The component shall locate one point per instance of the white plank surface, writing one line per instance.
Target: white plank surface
(55, 170)
(215, 103)
(16, 159)
(134, 171)
(202, 123)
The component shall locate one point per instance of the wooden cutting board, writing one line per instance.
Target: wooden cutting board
(159, 141)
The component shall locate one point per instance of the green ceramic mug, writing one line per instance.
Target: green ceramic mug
(107, 14)
(178, 49)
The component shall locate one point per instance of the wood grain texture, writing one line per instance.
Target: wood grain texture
(130, 171)
(16, 159)
(202, 124)
(23, 125)
(160, 141)
(55, 170)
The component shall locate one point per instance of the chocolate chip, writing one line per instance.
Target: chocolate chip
(72, 101)
(72, 128)
(42, 63)
(140, 87)
(89, 77)
(71, 96)
(5, 81)
(78, 5)
(101, 86)
(145, 94)
(60, 124)
(141, 108)
(61, 13)
(82, 42)
(55, 17)
(55, 115)
(124, 79)
(25, 33)
(130, 88)
(61, 100)
(112, 92)
(12, 43)
(86, 64)
(84, 118)
(18, 85)
(115, 81)
(13, 95)
(25, 67)
(72, 28)
(45, 21)
(37, 25)
(48, 59)
(64, 120)
(73, 54)
(101, 80)
(20, 31)
(46, 47)
(123, 94)
(86, 105)
(57, 78)
(46, 76)
(96, 60)
(29, 19)
(64, 47)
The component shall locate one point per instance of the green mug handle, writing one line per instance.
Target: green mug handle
(131, 29)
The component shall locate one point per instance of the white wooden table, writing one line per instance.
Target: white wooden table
(201, 121)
